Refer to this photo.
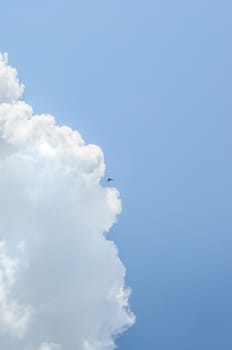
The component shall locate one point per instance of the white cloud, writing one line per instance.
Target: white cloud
(14, 318)
(10, 88)
(49, 346)
(61, 280)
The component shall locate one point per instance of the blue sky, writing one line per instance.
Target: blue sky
(150, 82)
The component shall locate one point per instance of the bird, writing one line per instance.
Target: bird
(109, 179)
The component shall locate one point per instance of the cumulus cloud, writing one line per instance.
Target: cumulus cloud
(10, 87)
(61, 280)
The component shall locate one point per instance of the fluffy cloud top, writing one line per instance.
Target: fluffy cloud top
(10, 88)
(61, 281)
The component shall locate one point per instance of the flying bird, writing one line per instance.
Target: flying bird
(109, 179)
